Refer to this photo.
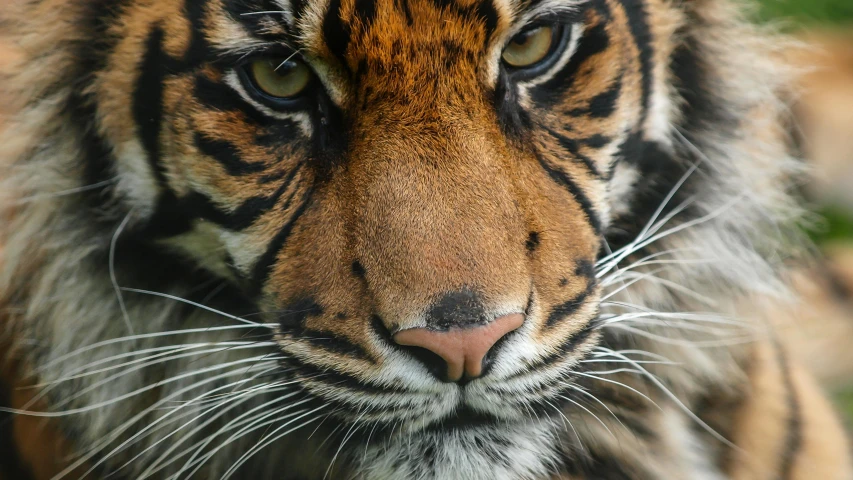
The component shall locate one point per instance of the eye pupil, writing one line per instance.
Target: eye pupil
(523, 38)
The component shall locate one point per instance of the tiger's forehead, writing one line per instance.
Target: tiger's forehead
(348, 29)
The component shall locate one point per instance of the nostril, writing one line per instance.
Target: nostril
(432, 361)
(493, 352)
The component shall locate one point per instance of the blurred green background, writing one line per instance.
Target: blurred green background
(807, 17)
(808, 13)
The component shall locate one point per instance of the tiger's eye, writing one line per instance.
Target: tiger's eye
(280, 77)
(529, 48)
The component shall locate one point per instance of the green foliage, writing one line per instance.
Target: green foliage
(808, 12)
(844, 401)
(837, 226)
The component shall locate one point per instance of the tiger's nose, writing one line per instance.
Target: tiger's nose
(461, 349)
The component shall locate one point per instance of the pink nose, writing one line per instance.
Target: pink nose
(462, 349)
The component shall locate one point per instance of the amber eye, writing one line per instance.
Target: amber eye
(529, 47)
(280, 78)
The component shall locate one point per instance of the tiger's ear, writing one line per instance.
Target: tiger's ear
(31, 448)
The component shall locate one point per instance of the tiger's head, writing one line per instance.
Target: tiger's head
(414, 201)
(414, 193)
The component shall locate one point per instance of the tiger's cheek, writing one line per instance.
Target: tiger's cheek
(561, 248)
(316, 282)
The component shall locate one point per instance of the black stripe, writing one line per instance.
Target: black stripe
(199, 50)
(219, 96)
(573, 147)
(487, 12)
(335, 32)
(334, 378)
(148, 101)
(227, 155)
(569, 307)
(293, 316)
(638, 23)
(565, 180)
(794, 436)
(602, 105)
(155, 66)
(585, 269)
(329, 343)
(407, 11)
(596, 141)
(701, 108)
(177, 217)
(263, 267)
(572, 343)
(659, 171)
(251, 210)
(591, 332)
(514, 120)
(365, 10)
(91, 54)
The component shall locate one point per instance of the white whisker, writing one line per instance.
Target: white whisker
(116, 432)
(132, 338)
(113, 279)
(272, 437)
(196, 304)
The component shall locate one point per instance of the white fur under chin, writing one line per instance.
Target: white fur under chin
(500, 452)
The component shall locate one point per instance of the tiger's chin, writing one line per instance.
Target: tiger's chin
(462, 446)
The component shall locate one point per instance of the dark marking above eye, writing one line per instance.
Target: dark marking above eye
(220, 96)
(488, 13)
(341, 316)
(365, 10)
(335, 32)
(294, 315)
(532, 241)
(358, 269)
(563, 282)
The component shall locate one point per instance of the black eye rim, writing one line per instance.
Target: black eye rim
(297, 102)
(561, 33)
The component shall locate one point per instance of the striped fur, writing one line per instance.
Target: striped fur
(202, 285)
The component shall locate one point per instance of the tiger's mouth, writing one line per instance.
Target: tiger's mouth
(462, 419)
(448, 408)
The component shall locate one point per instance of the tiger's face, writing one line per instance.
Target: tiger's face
(413, 192)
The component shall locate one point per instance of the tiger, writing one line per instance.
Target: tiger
(400, 240)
